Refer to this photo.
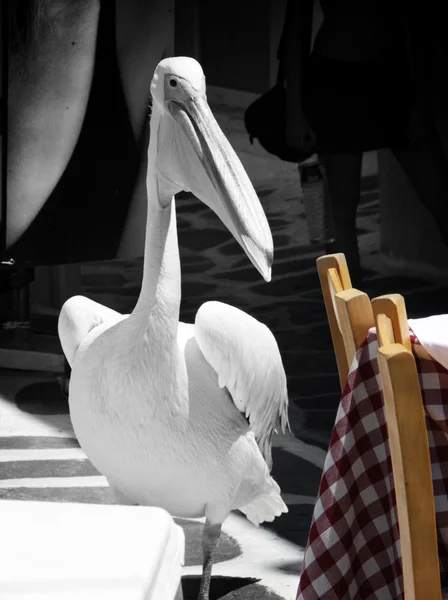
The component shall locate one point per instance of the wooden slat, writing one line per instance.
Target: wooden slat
(349, 311)
(338, 262)
(393, 306)
(334, 277)
(358, 310)
(409, 449)
(384, 330)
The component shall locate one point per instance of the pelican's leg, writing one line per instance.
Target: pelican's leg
(210, 541)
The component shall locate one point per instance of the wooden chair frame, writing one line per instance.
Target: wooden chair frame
(350, 316)
(349, 310)
(409, 449)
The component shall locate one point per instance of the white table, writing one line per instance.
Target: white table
(65, 551)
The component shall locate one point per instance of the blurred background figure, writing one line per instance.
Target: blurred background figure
(362, 84)
(78, 89)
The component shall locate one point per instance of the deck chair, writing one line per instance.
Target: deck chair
(409, 449)
(349, 310)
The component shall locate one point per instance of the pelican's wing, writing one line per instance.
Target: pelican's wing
(245, 355)
(77, 318)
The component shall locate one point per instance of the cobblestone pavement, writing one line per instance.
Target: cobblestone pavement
(264, 563)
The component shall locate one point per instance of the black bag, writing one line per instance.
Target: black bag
(265, 120)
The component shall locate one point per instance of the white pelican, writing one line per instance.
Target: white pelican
(174, 415)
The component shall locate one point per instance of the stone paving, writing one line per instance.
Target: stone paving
(214, 267)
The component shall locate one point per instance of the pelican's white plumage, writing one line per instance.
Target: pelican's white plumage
(175, 415)
(245, 356)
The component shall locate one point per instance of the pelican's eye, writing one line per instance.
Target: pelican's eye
(173, 83)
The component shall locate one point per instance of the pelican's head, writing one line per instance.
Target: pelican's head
(191, 153)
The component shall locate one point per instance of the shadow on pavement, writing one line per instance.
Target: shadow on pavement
(227, 588)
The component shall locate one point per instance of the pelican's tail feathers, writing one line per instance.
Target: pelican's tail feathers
(266, 506)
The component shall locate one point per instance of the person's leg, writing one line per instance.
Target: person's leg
(427, 170)
(343, 173)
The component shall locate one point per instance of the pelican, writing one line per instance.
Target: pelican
(176, 415)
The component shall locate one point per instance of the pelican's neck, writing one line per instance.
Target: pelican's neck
(159, 300)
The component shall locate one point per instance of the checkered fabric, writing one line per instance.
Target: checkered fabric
(353, 550)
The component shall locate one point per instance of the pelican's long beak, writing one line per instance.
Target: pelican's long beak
(210, 169)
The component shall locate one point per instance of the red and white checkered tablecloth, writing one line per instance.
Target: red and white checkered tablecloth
(353, 550)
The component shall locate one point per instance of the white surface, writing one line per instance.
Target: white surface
(38, 454)
(54, 482)
(432, 333)
(69, 551)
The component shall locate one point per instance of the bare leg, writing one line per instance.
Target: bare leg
(344, 190)
(427, 170)
(210, 541)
